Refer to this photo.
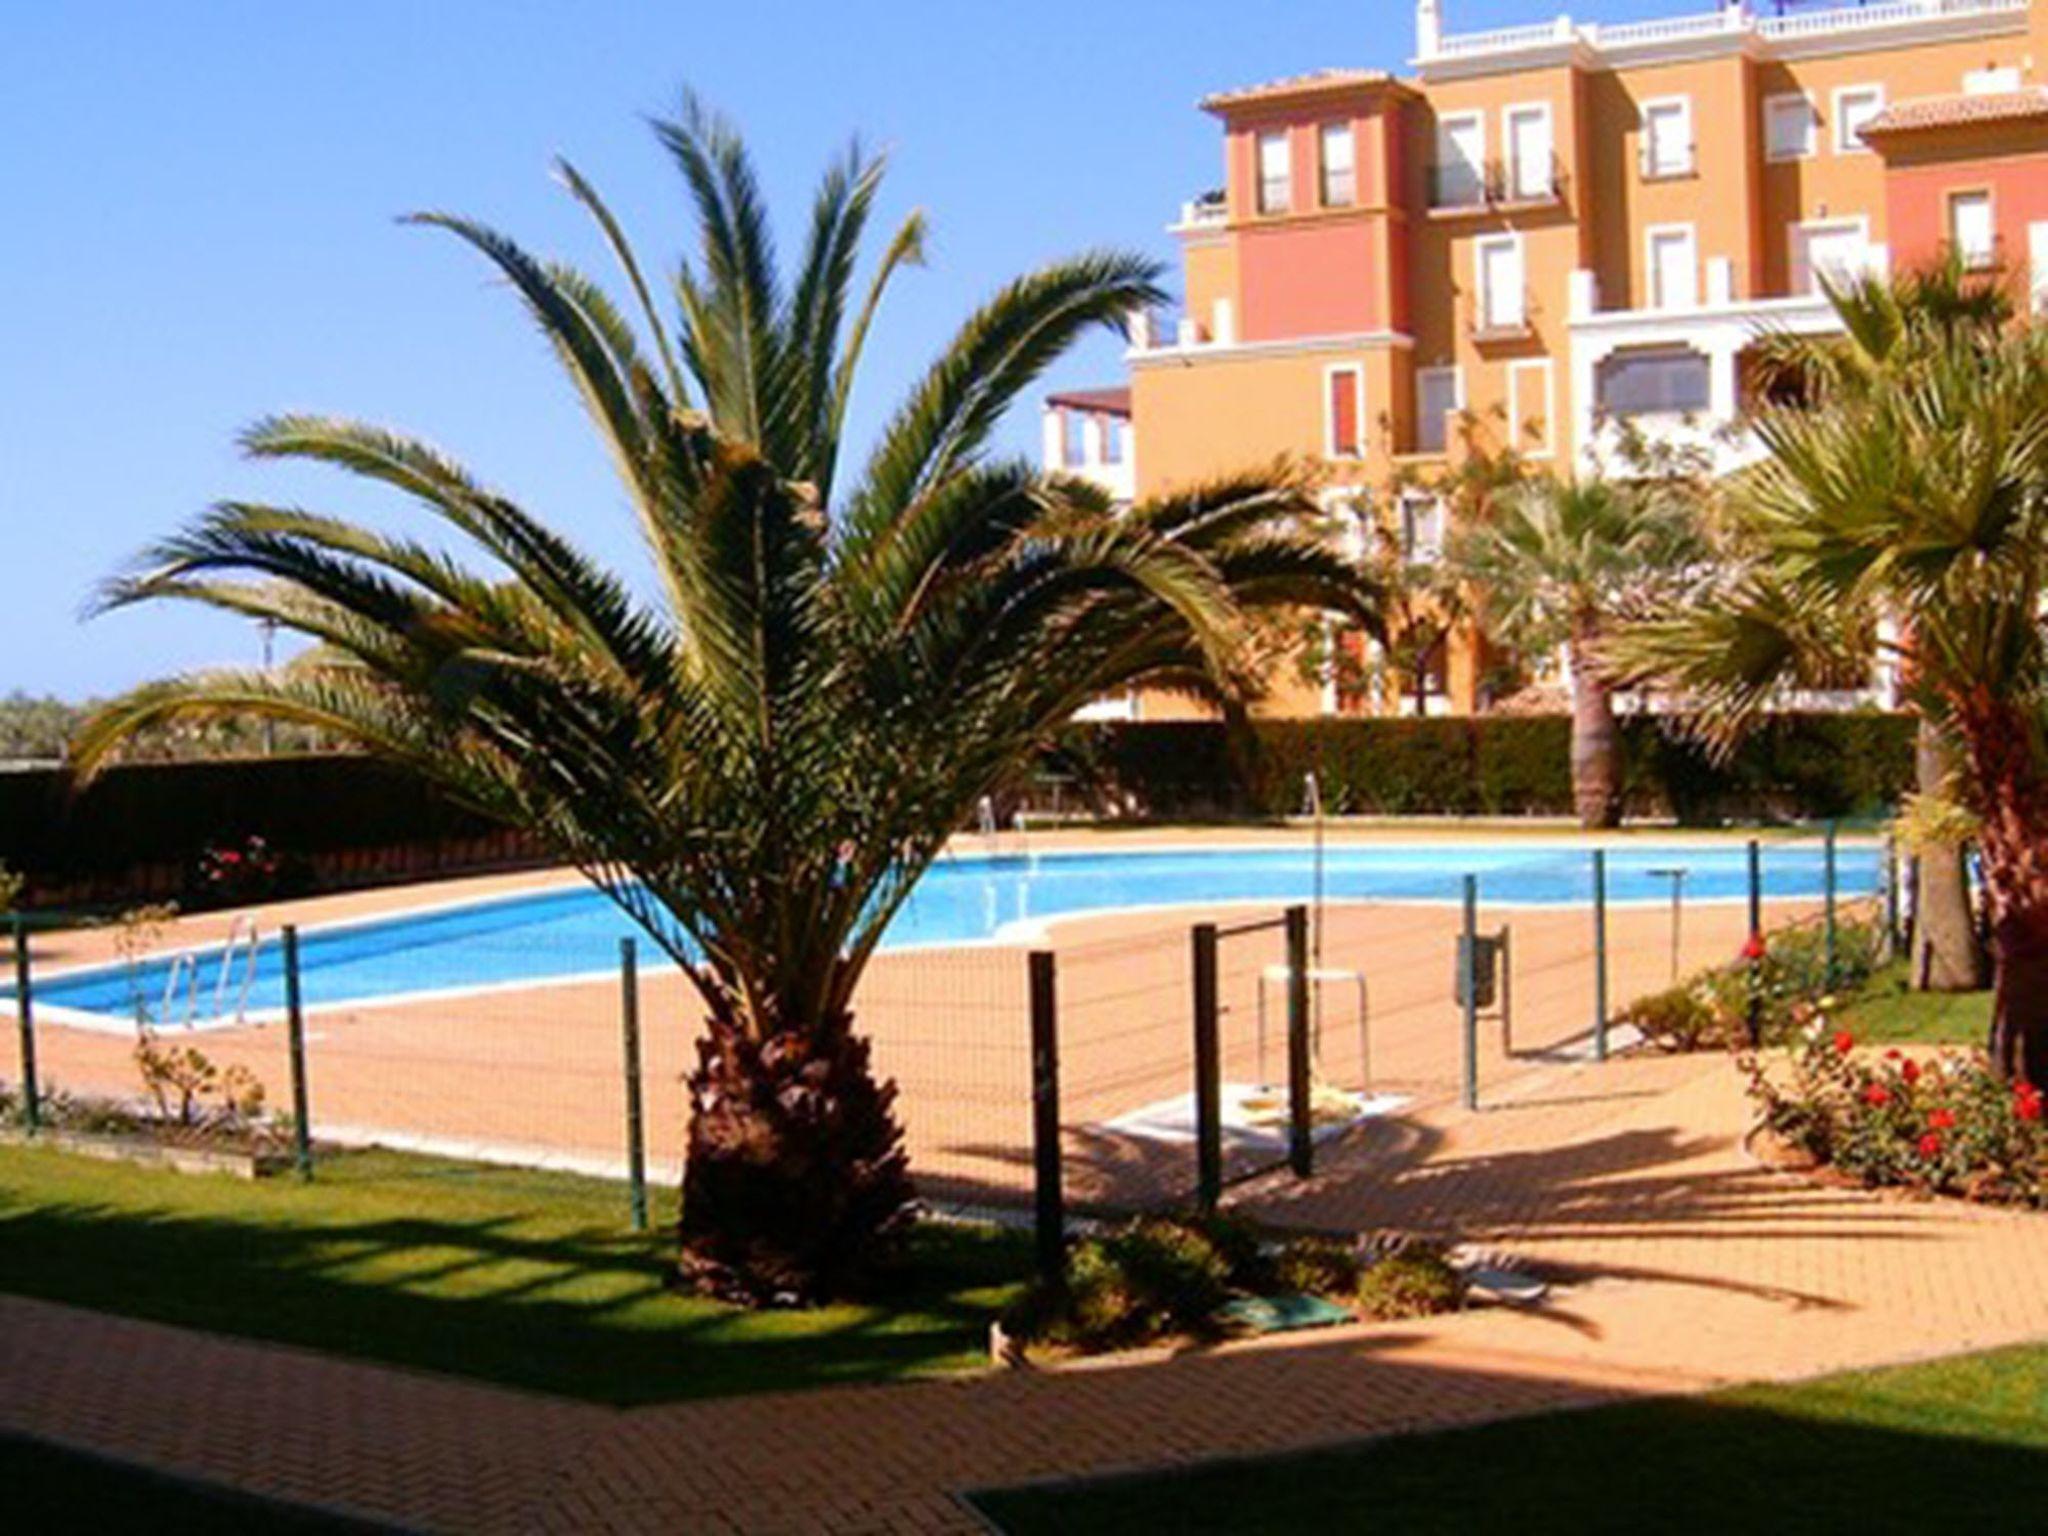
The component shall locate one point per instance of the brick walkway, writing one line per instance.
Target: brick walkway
(1690, 1268)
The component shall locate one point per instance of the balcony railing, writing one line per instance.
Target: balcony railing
(1206, 208)
(1461, 186)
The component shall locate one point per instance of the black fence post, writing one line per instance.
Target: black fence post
(1301, 1142)
(1599, 954)
(1208, 1072)
(1756, 943)
(636, 1129)
(1051, 1201)
(25, 1015)
(295, 1040)
(1468, 967)
(1892, 905)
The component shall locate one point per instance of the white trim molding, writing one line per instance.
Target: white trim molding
(1838, 122)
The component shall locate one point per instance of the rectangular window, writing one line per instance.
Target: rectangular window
(1115, 433)
(1276, 181)
(1662, 382)
(1530, 406)
(1501, 299)
(1074, 439)
(1791, 127)
(1531, 162)
(1836, 251)
(1971, 229)
(1460, 161)
(1674, 265)
(1992, 81)
(1344, 413)
(1667, 137)
(1855, 105)
(1438, 392)
(1339, 165)
(1422, 527)
(2037, 254)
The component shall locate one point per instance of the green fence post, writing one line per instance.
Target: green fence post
(25, 1015)
(1301, 1147)
(1892, 907)
(1829, 884)
(1050, 1220)
(1755, 947)
(1599, 954)
(295, 1041)
(1468, 965)
(1208, 1073)
(636, 1132)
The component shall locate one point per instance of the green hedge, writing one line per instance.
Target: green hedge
(136, 831)
(1796, 767)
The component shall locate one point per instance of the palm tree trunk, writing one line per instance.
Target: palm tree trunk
(1596, 744)
(2019, 1004)
(2012, 800)
(1947, 954)
(796, 1181)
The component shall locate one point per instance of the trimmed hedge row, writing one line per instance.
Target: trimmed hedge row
(137, 830)
(1796, 767)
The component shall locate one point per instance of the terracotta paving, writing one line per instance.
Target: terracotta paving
(1686, 1267)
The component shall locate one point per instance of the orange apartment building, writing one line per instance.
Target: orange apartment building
(1542, 231)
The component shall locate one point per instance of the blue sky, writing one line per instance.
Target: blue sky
(200, 202)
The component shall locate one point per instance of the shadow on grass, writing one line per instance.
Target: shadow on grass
(524, 1292)
(1752, 1462)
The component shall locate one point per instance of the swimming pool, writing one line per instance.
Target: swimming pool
(516, 941)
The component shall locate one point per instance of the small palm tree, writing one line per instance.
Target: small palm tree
(1558, 564)
(1887, 324)
(1922, 497)
(758, 764)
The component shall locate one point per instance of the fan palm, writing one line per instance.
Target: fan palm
(1923, 497)
(1887, 323)
(1559, 563)
(757, 761)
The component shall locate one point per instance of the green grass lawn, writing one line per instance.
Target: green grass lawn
(1886, 1013)
(1956, 1445)
(51, 1488)
(529, 1279)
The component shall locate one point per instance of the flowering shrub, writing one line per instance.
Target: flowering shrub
(1945, 1124)
(237, 874)
(1788, 974)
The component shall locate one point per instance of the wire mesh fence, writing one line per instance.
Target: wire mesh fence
(521, 1036)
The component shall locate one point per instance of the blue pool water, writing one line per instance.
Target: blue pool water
(576, 931)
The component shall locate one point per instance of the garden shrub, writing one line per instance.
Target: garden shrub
(1415, 1281)
(1943, 1124)
(1711, 1010)
(1317, 1266)
(1149, 1280)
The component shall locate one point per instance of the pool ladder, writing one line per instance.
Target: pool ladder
(245, 940)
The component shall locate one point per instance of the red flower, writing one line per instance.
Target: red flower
(1893, 1054)
(1930, 1146)
(1844, 1042)
(2026, 1101)
(1754, 949)
(1910, 1072)
(1942, 1120)
(1877, 1095)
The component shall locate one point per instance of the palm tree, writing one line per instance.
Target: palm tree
(759, 761)
(1924, 498)
(1887, 324)
(1558, 564)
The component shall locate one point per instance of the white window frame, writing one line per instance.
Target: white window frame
(1517, 414)
(1653, 270)
(1989, 256)
(2037, 261)
(1861, 223)
(1511, 162)
(1348, 131)
(1993, 80)
(1285, 202)
(1772, 106)
(1846, 141)
(1412, 550)
(1689, 148)
(1444, 128)
(1331, 373)
(1457, 377)
(1485, 319)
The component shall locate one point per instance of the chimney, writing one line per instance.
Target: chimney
(1429, 28)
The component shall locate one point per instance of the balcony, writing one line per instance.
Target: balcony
(1462, 188)
(1727, 26)
(1204, 212)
